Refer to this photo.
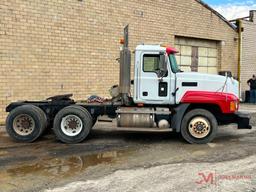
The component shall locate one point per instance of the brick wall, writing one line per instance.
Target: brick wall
(68, 46)
(248, 64)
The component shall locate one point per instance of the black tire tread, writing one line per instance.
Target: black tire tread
(94, 120)
(85, 117)
(41, 122)
(43, 118)
(198, 112)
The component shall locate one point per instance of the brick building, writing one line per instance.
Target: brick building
(56, 46)
(248, 59)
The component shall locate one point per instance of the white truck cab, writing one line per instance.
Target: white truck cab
(153, 85)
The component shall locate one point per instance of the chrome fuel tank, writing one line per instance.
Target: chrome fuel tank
(135, 117)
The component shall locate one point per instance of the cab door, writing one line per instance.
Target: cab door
(152, 88)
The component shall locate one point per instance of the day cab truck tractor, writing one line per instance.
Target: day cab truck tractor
(164, 98)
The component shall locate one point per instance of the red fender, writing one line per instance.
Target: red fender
(223, 100)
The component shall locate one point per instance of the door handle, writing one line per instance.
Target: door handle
(174, 93)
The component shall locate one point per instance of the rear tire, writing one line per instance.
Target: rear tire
(199, 126)
(26, 123)
(72, 124)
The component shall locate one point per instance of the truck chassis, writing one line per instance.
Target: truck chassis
(27, 120)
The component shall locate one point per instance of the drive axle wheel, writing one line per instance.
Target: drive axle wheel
(72, 124)
(26, 123)
(199, 126)
(23, 124)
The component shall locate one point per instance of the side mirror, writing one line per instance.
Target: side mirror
(162, 66)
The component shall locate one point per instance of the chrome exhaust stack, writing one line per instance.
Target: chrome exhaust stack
(125, 69)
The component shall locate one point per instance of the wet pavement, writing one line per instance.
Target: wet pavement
(47, 163)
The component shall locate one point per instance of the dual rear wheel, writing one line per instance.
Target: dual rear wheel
(27, 123)
(72, 124)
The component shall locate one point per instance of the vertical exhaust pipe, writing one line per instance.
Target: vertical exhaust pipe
(125, 69)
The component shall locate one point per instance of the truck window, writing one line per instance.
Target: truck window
(174, 65)
(151, 63)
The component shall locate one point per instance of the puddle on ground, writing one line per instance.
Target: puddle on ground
(54, 169)
(65, 167)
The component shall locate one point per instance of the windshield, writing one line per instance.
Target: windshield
(174, 65)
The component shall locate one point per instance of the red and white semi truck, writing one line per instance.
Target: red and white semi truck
(164, 98)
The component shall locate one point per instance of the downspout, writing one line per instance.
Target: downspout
(240, 30)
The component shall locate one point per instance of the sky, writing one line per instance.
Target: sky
(232, 9)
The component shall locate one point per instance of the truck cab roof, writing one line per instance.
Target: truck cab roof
(156, 48)
(150, 48)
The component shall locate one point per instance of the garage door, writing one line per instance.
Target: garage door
(197, 55)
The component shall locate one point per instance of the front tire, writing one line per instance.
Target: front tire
(199, 126)
(72, 124)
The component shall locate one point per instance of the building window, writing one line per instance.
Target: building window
(207, 60)
(184, 57)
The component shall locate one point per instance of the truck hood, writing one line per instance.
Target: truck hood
(201, 76)
(193, 81)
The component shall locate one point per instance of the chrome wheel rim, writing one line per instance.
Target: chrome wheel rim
(23, 124)
(71, 125)
(199, 127)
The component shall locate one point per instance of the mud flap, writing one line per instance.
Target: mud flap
(243, 120)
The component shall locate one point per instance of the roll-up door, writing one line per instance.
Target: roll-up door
(197, 55)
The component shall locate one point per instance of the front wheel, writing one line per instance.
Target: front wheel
(199, 126)
(72, 124)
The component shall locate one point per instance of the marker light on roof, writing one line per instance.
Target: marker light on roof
(171, 50)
